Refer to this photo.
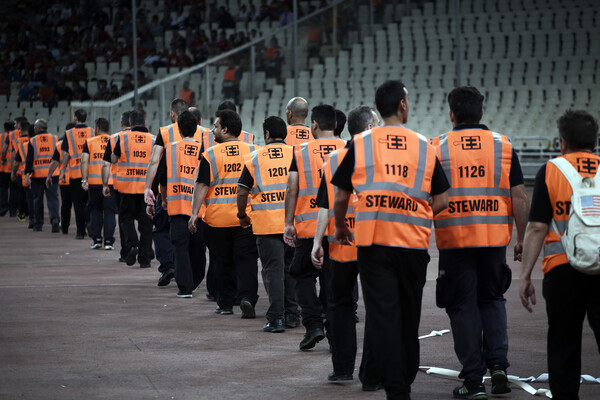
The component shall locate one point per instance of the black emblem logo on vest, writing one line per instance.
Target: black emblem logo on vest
(303, 134)
(469, 142)
(324, 149)
(140, 139)
(190, 150)
(43, 139)
(82, 134)
(394, 142)
(275, 152)
(232, 150)
(586, 165)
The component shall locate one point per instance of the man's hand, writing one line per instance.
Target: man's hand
(85, 185)
(527, 293)
(48, 181)
(13, 176)
(289, 235)
(62, 176)
(27, 180)
(245, 222)
(106, 191)
(343, 235)
(150, 210)
(192, 224)
(518, 251)
(317, 255)
(165, 204)
(149, 197)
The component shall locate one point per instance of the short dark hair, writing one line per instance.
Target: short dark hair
(466, 103)
(21, 119)
(125, 118)
(196, 113)
(324, 114)
(388, 97)
(178, 106)
(227, 105)
(188, 123)
(81, 115)
(276, 127)
(137, 118)
(230, 120)
(359, 118)
(25, 127)
(102, 124)
(340, 119)
(9, 126)
(579, 129)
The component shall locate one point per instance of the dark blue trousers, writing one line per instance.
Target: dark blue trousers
(165, 254)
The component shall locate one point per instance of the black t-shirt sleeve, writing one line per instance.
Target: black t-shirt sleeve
(439, 181)
(117, 150)
(86, 149)
(343, 176)
(29, 161)
(204, 172)
(246, 179)
(56, 155)
(65, 145)
(107, 153)
(159, 141)
(322, 195)
(18, 157)
(162, 170)
(541, 207)
(293, 165)
(516, 174)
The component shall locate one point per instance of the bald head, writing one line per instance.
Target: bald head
(296, 110)
(196, 113)
(41, 124)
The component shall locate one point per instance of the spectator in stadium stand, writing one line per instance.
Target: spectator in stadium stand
(79, 92)
(102, 93)
(62, 91)
(47, 95)
(25, 91)
(243, 14)
(114, 92)
(231, 82)
(273, 58)
(254, 14)
(286, 17)
(264, 11)
(156, 29)
(225, 20)
(188, 94)
(340, 123)
(127, 85)
(296, 113)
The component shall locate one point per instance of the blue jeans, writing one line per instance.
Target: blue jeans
(165, 254)
(38, 188)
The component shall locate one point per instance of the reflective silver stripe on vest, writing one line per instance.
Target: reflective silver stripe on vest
(126, 147)
(99, 176)
(479, 191)
(553, 248)
(173, 155)
(73, 145)
(331, 212)
(308, 175)
(133, 179)
(222, 200)
(268, 206)
(269, 188)
(175, 179)
(474, 220)
(133, 165)
(214, 168)
(392, 217)
(497, 158)
(392, 186)
(171, 133)
(175, 197)
(306, 217)
(561, 225)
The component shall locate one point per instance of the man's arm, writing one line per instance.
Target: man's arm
(340, 207)
(439, 202)
(291, 198)
(65, 164)
(85, 159)
(198, 196)
(532, 245)
(317, 254)
(155, 156)
(105, 175)
(242, 203)
(520, 210)
(15, 167)
(53, 165)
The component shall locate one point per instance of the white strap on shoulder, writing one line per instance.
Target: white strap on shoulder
(569, 171)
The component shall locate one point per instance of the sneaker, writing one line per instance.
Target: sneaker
(223, 311)
(247, 309)
(499, 381)
(333, 377)
(97, 244)
(183, 295)
(275, 326)
(21, 217)
(145, 265)
(109, 247)
(476, 392)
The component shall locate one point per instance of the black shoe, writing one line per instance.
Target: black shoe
(371, 388)
(311, 338)
(274, 326)
(237, 302)
(37, 228)
(184, 295)
(96, 244)
(30, 226)
(132, 255)
(65, 231)
(291, 321)
(165, 277)
(121, 259)
(223, 311)
(247, 309)
(79, 236)
(210, 297)
(470, 392)
(333, 377)
(499, 380)
(3, 211)
(55, 227)
(144, 265)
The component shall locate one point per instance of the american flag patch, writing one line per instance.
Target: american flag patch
(590, 205)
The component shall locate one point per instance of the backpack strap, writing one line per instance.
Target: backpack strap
(571, 173)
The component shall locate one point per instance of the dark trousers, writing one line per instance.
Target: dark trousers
(66, 203)
(313, 307)
(190, 253)
(22, 203)
(471, 286)
(570, 295)
(79, 198)
(28, 195)
(133, 208)
(102, 214)
(276, 277)
(4, 190)
(38, 188)
(165, 254)
(236, 255)
(392, 281)
(13, 197)
(211, 276)
(117, 196)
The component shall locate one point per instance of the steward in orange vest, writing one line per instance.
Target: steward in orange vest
(343, 262)
(72, 146)
(132, 152)
(5, 168)
(265, 177)
(301, 221)
(25, 197)
(66, 203)
(234, 247)
(296, 112)
(569, 293)
(39, 157)
(400, 186)
(486, 194)
(103, 209)
(177, 170)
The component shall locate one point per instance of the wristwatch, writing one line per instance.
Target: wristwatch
(241, 216)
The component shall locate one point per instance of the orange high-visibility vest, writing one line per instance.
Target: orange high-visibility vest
(43, 150)
(226, 166)
(97, 147)
(13, 139)
(114, 168)
(298, 134)
(392, 179)
(477, 163)
(60, 160)
(6, 165)
(338, 252)
(22, 147)
(133, 163)
(560, 191)
(170, 133)
(76, 138)
(182, 159)
(269, 167)
(309, 159)
(230, 75)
